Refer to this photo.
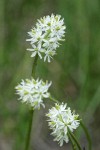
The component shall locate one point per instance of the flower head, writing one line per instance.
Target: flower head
(46, 35)
(33, 91)
(60, 120)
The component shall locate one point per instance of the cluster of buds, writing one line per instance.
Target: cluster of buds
(45, 37)
(33, 91)
(60, 120)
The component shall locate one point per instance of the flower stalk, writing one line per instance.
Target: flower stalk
(75, 140)
(34, 66)
(31, 111)
(87, 135)
(53, 99)
(29, 130)
(72, 142)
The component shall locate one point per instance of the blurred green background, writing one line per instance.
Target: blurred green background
(75, 70)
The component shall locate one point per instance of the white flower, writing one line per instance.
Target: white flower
(36, 50)
(33, 91)
(46, 36)
(60, 120)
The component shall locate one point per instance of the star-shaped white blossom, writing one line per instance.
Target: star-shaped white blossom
(45, 37)
(33, 92)
(60, 120)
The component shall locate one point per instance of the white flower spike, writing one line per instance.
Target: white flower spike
(33, 91)
(60, 119)
(46, 35)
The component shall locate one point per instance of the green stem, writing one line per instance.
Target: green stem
(72, 142)
(29, 130)
(31, 111)
(53, 99)
(87, 135)
(75, 140)
(34, 66)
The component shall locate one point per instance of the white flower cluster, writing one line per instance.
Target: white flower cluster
(60, 119)
(33, 91)
(45, 37)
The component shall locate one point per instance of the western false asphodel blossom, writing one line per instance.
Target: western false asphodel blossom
(61, 119)
(33, 92)
(45, 37)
